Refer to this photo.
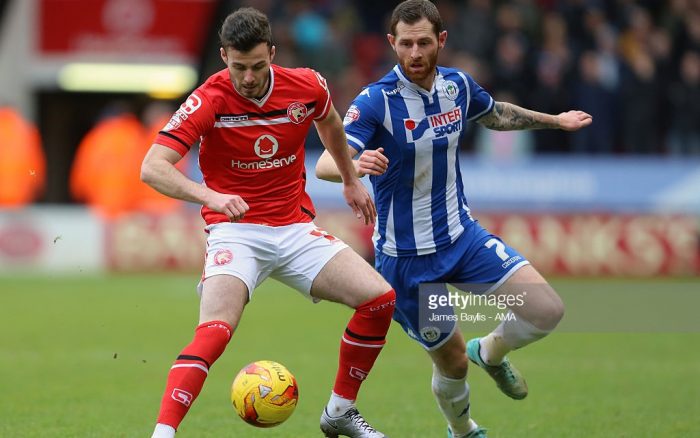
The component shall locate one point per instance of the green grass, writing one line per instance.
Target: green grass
(87, 357)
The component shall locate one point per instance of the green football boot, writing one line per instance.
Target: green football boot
(507, 377)
(479, 432)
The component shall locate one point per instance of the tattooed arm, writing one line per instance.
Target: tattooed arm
(508, 117)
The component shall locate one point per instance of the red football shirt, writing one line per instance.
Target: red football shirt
(253, 148)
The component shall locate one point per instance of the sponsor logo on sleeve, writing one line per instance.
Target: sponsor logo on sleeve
(192, 104)
(352, 115)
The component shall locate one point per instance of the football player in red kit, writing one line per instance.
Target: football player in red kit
(252, 119)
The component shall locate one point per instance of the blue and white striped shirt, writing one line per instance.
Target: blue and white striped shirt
(421, 205)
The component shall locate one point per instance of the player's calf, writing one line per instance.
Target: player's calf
(361, 343)
(188, 373)
(360, 346)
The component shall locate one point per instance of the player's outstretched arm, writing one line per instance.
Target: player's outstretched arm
(332, 135)
(509, 117)
(158, 171)
(371, 162)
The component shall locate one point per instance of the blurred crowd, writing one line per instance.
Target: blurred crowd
(633, 65)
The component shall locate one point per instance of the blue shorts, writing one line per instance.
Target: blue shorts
(477, 257)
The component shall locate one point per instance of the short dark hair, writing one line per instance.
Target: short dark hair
(244, 29)
(412, 11)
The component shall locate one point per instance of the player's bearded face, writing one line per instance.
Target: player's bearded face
(249, 71)
(417, 48)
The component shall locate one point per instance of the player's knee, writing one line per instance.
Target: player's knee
(379, 285)
(457, 369)
(381, 306)
(372, 319)
(549, 314)
(556, 312)
(451, 359)
(211, 339)
(454, 366)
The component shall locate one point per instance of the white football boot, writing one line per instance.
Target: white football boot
(349, 424)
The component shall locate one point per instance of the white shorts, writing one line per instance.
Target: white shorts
(293, 254)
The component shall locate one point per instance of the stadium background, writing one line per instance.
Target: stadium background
(96, 283)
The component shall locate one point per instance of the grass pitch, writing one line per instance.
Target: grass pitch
(88, 357)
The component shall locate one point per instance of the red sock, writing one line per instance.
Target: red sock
(191, 367)
(362, 342)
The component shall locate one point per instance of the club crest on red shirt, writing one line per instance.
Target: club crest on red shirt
(297, 112)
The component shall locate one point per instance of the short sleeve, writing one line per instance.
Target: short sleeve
(323, 99)
(480, 102)
(194, 118)
(361, 121)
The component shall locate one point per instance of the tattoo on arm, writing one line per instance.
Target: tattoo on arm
(508, 117)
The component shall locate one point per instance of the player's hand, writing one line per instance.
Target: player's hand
(233, 206)
(372, 162)
(574, 120)
(357, 197)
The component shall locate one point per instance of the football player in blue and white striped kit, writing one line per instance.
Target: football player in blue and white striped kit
(407, 128)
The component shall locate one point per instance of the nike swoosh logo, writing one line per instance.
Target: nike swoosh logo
(463, 412)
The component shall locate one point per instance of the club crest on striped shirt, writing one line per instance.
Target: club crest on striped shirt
(451, 90)
(297, 112)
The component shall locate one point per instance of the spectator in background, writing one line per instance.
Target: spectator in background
(105, 173)
(550, 96)
(592, 96)
(475, 31)
(22, 162)
(684, 136)
(510, 71)
(155, 116)
(639, 94)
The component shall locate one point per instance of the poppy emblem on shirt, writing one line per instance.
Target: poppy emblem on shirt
(223, 257)
(410, 124)
(266, 146)
(297, 112)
